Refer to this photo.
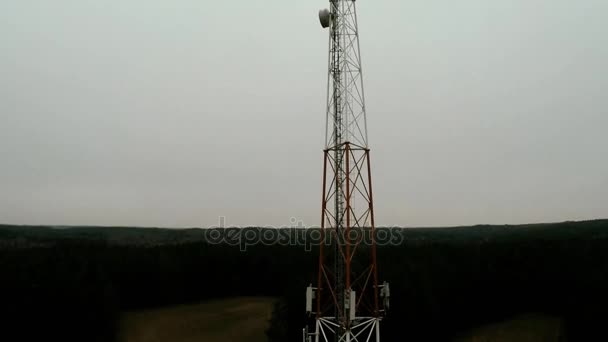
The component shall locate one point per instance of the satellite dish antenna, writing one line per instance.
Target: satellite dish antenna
(324, 17)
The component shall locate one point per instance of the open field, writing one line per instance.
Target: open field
(235, 319)
(525, 328)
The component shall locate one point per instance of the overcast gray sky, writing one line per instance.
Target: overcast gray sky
(173, 113)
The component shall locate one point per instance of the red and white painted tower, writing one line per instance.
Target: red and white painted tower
(348, 302)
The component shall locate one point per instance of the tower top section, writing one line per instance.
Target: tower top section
(346, 119)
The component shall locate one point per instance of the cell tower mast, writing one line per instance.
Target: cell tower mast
(347, 293)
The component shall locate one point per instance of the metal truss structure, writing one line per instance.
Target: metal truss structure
(347, 293)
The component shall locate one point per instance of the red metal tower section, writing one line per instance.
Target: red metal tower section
(347, 261)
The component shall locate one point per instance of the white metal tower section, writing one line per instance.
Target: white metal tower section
(346, 119)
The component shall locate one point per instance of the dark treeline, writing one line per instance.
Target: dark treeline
(72, 284)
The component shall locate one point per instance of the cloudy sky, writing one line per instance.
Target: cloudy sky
(174, 113)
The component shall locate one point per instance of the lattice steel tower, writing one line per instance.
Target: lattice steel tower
(347, 296)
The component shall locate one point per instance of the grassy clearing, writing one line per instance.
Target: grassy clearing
(235, 319)
(526, 328)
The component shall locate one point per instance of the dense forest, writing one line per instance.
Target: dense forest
(72, 283)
